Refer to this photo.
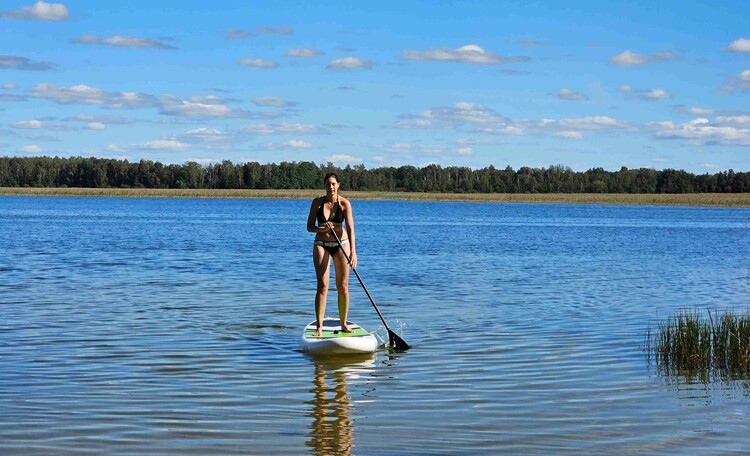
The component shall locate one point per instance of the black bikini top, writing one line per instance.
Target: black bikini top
(338, 216)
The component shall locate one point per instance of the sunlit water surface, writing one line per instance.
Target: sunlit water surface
(170, 326)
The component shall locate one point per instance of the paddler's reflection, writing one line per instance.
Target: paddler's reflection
(332, 428)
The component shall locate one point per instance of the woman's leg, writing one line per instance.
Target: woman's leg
(342, 286)
(322, 263)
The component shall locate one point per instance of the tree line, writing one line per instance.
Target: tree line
(103, 172)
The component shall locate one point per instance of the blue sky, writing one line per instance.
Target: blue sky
(583, 84)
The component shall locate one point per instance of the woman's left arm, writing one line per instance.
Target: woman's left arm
(349, 216)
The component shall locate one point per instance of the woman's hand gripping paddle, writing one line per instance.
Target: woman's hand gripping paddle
(396, 342)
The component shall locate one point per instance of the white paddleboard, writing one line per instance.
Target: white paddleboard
(333, 341)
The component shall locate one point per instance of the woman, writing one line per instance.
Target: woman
(328, 213)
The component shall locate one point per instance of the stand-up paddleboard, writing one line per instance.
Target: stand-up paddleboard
(333, 341)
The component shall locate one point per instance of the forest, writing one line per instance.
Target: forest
(113, 173)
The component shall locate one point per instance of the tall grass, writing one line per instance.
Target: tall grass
(704, 345)
(685, 199)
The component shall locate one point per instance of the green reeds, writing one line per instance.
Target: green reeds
(694, 344)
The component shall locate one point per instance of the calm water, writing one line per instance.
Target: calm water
(150, 326)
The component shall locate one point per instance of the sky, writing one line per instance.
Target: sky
(583, 84)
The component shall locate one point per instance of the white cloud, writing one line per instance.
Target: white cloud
(83, 94)
(258, 63)
(464, 112)
(273, 102)
(122, 41)
(569, 134)
(739, 83)
(344, 159)
(571, 95)
(350, 63)
(466, 54)
(40, 11)
(585, 123)
(163, 144)
(700, 131)
(625, 88)
(199, 107)
(9, 86)
(464, 151)
(303, 52)
(657, 94)
(96, 126)
(629, 58)
(281, 129)
(27, 124)
(30, 149)
(743, 120)
(739, 45)
(297, 144)
(700, 111)
(12, 62)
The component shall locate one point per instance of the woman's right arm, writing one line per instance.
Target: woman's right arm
(311, 219)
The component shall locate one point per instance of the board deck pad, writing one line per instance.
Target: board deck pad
(332, 330)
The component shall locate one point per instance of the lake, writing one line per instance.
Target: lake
(171, 326)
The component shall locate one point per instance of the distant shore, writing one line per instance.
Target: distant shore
(650, 199)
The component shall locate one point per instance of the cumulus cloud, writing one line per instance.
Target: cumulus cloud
(739, 45)
(87, 118)
(657, 94)
(464, 151)
(122, 41)
(740, 120)
(571, 95)
(165, 144)
(585, 123)
(39, 11)
(464, 112)
(644, 94)
(30, 149)
(303, 52)
(12, 62)
(350, 63)
(739, 83)
(629, 58)
(569, 134)
(199, 107)
(281, 129)
(9, 86)
(292, 144)
(273, 102)
(700, 131)
(466, 54)
(27, 124)
(258, 63)
(96, 126)
(694, 111)
(86, 95)
(344, 159)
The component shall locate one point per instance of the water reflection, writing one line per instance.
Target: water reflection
(332, 428)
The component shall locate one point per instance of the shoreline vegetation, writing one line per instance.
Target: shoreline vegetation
(640, 199)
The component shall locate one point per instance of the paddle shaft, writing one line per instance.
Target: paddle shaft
(349, 260)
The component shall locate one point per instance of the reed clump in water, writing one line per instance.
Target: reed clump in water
(689, 342)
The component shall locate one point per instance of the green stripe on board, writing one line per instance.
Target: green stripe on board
(309, 334)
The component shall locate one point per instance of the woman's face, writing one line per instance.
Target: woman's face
(332, 185)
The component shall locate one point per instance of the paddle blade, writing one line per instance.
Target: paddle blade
(397, 343)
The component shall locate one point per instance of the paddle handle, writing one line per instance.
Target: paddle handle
(361, 282)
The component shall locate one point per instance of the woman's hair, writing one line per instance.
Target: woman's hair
(330, 175)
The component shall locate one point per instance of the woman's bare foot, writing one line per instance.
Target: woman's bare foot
(318, 331)
(346, 329)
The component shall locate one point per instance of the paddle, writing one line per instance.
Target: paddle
(396, 342)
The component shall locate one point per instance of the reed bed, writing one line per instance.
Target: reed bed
(690, 199)
(705, 345)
